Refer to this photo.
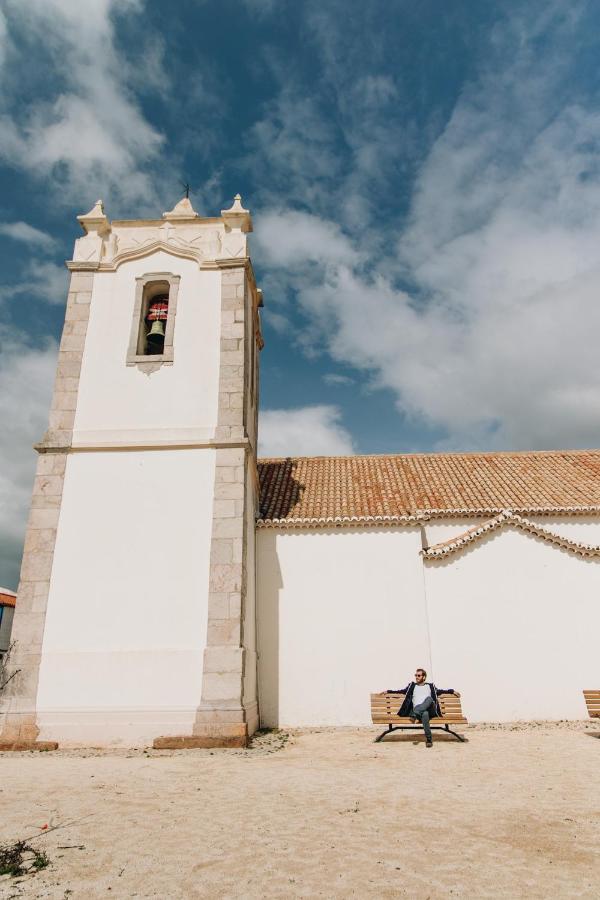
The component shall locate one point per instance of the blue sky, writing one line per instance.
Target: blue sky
(425, 188)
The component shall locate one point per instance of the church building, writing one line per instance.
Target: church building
(177, 590)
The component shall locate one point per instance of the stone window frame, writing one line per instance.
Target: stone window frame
(151, 362)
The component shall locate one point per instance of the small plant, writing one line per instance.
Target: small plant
(21, 858)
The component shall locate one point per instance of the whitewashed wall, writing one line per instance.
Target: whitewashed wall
(127, 612)
(511, 623)
(341, 614)
(121, 402)
(514, 625)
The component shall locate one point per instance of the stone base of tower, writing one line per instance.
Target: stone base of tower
(19, 746)
(20, 732)
(217, 736)
(215, 728)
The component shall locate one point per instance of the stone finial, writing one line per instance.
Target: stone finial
(182, 210)
(95, 220)
(237, 218)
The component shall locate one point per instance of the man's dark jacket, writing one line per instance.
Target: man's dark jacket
(406, 708)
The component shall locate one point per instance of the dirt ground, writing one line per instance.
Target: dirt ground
(326, 813)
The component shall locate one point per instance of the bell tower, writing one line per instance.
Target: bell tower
(135, 614)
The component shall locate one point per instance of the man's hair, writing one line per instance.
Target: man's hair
(423, 671)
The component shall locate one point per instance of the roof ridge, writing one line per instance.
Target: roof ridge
(453, 454)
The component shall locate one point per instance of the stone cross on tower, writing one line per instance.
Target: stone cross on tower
(135, 610)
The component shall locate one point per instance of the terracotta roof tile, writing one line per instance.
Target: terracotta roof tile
(341, 490)
(7, 598)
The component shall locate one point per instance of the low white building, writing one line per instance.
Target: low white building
(175, 587)
(482, 568)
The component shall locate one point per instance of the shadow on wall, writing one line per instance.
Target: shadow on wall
(269, 586)
(280, 492)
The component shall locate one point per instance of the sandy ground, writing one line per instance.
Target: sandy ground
(511, 813)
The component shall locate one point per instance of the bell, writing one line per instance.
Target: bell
(155, 338)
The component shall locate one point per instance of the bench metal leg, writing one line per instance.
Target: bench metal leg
(383, 734)
(460, 737)
(391, 728)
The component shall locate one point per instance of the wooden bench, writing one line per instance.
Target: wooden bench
(384, 711)
(592, 700)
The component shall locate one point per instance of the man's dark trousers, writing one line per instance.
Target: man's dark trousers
(421, 712)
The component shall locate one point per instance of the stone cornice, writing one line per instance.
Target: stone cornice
(124, 446)
(141, 223)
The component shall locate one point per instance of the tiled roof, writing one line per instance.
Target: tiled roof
(504, 520)
(345, 490)
(7, 598)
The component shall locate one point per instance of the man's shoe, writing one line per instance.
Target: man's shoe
(429, 744)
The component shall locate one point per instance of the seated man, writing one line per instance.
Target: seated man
(421, 702)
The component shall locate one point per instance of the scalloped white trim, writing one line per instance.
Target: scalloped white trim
(508, 518)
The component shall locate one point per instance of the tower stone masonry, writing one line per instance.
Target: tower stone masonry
(135, 616)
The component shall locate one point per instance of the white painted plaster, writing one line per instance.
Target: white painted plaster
(127, 612)
(576, 528)
(584, 529)
(439, 530)
(341, 614)
(114, 397)
(514, 624)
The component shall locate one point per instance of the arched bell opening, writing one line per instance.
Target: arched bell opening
(153, 320)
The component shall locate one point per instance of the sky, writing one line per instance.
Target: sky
(424, 180)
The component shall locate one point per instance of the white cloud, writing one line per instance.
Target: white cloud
(494, 342)
(3, 37)
(27, 234)
(334, 379)
(287, 237)
(26, 379)
(306, 431)
(293, 150)
(92, 135)
(42, 280)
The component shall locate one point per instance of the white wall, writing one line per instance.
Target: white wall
(113, 396)
(341, 614)
(512, 622)
(127, 612)
(514, 626)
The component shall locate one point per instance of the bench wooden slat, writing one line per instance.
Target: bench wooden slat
(592, 700)
(435, 721)
(388, 711)
(395, 716)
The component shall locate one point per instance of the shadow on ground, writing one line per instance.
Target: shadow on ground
(407, 738)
